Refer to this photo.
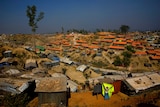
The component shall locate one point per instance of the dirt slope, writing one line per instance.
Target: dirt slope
(86, 99)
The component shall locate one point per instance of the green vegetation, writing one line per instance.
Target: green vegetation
(31, 14)
(19, 100)
(124, 28)
(130, 48)
(82, 31)
(99, 64)
(125, 61)
(127, 54)
(117, 61)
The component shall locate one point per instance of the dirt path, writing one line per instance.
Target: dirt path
(73, 74)
(86, 99)
(107, 58)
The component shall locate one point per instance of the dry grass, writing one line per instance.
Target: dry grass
(137, 64)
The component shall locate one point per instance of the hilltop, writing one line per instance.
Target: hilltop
(51, 55)
(99, 50)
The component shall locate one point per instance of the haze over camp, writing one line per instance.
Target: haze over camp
(88, 53)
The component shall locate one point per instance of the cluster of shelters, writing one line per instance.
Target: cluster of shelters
(143, 44)
(133, 84)
(54, 91)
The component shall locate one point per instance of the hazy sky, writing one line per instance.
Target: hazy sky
(80, 14)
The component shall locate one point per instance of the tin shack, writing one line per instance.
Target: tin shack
(52, 91)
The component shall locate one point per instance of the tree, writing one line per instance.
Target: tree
(126, 61)
(117, 61)
(33, 20)
(127, 54)
(17, 100)
(130, 48)
(98, 30)
(124, 28)
(31, 14)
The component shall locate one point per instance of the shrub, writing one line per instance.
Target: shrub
(18, 100)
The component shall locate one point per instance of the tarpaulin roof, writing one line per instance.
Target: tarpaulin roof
(40, 47)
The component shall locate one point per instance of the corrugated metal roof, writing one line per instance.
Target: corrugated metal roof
(95, 80)
(8, 88)
(81, 68)
(50, 84)
(116, 77)
(23, 87)
(59, 75)
(66, 60)
(73, 86)
(144, 82)
(12, 71)
(30, 63)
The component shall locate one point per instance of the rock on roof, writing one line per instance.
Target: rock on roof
(144, 82)
(50, 84)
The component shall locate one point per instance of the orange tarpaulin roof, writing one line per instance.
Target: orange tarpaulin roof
(149, 47)
(155, 57)
(140, 53)
(136, 43)
(151, 52)
(120, 43)
(75, 46)
(64, 40)
(56, 42)
(129, 41)
(109, 41)
(158, 54)
(55, 49)
(109, 37)
(117, 47)
(157, 50)
(85, 45)
(81, 41)
(67, 45)
(95, 42)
